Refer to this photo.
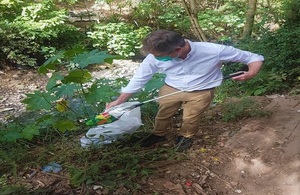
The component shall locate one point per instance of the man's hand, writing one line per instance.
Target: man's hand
(254, 68)
(243, 77)
(121, 99)
(111, 104)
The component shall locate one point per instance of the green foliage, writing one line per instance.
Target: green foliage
(174, 17)
(280, 70)
(11, 189)
(87, 58)
(161, 14)
(277, 48)
(72, 96)
(39, 100)
(112, 166)
(65, 101)
(101, 90)
(264, 83)
(150, 91)
(77, 76)
(147, 12)
(119, 166)
(32, 31)
(119, 38)
(77, 56)
(72, 83)
(226, 21)
(237, 109)
(219, 21)
(291, 12)
(12, 131)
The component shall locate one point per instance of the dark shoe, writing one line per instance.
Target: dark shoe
(183, 143)
(152, 139)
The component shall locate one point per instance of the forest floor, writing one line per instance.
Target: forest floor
(254, 156)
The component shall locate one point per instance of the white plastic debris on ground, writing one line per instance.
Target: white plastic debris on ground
(129, 122)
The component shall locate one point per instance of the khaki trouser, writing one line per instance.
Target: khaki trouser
(193, 105)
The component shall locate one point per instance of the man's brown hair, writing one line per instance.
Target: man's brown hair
(162, 41)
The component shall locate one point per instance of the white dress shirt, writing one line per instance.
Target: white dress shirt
(197, 71)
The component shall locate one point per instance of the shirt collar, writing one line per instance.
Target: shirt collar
(192, 52)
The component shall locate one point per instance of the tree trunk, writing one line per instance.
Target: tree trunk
(249, 18)
(190, 8)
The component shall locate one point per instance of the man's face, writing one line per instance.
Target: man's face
(167, 56)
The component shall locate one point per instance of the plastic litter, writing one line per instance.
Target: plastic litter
(52, 167)
(103, 134)
(101, 119)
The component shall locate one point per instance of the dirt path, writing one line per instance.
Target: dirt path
(249, 157)
(265, 158)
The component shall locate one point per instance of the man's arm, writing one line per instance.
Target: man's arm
(254, 61)
(143, 74)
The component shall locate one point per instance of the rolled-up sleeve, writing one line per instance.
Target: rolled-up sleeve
(231, 54)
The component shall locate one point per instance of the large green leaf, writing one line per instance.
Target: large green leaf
(53, 81)
(66, 90)
(69, 54)
(99, 94)
(11, 133)
(51, 63)
(39, 100)
(46, 121)
(77, 76)
(29, 131)
(93, 57)
(65, 125)
(12, 136)
(156, 82)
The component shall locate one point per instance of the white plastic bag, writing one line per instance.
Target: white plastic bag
(129, 122)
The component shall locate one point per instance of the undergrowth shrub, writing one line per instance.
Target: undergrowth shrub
(237, 109)
(118, 38)
(281, 69)
(225, 22)
(71, 96)
(161, 14)
(59, 112)
(68, 98)
(33, 32)
(291, 13)
(115, 166)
